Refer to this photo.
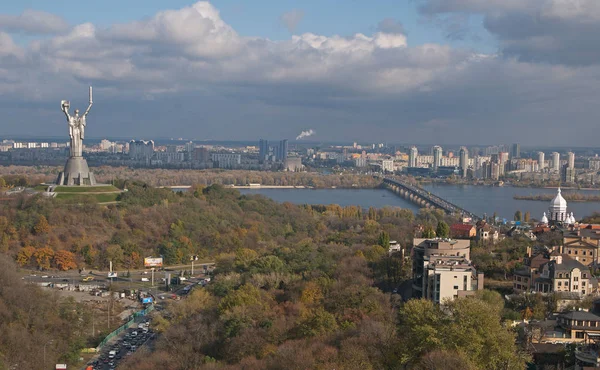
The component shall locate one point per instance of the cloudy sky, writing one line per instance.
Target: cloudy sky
(415, 71)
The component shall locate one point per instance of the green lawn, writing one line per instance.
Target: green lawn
(100, 198)
(84, 189)
(41, 187)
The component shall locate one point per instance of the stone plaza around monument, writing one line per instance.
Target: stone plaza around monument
(76, 173)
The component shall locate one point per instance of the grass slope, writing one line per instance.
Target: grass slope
(85, 189)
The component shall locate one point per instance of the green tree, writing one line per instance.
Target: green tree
(527, 216)
(442, 230)
(470, 326)
(384, 239)
(518, 216)
(428, 232)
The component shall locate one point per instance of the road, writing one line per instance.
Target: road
(73, 277)
(125, 345)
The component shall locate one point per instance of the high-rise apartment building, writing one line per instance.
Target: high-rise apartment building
(201, 154)
(571, 160)
(541, 161)
(141, 149)
(437, 157)
(515, 150)
(282, 150)
(555, 162)
(463, 154)
(263, 150)
(412, 156)
(502, 163)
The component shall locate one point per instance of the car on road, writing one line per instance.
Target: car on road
(65, 280)
(87, 278)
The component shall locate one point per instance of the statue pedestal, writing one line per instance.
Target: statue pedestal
(76, 173)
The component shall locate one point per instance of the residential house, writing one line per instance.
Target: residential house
(582, 242)
(523, 278)
(486, 233)
(463, 231)
(564, 274)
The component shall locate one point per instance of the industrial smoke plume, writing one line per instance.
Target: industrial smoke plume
(304, 134)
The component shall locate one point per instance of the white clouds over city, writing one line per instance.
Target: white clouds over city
(335, 81)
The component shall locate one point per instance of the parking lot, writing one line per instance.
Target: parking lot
(133, 339)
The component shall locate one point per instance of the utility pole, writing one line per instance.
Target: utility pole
(193, 258)
(152, 277)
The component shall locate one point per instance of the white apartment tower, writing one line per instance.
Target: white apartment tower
(555, 162)
(571, 160)
(437, 157)
(412, 156)
(541, 160)
(464, 160)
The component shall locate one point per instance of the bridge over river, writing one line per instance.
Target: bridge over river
(424, 198)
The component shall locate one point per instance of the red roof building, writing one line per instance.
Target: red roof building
(463, 231)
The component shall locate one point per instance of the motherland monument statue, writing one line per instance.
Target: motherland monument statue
(76, 170)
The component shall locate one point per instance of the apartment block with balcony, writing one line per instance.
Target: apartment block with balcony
(442, 269)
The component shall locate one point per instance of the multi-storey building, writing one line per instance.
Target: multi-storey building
(555, 162)
(263, 150)
(524, 278)
(582, 242)
(442, 269)
(464, 160)
(541, 161)
(564, 274)
(141, 149)
(282, 150)
(226, 160)
(387, 165)
(412, 156)
(437, 157)
(515, 151)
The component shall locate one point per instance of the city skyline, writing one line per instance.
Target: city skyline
(431, 72)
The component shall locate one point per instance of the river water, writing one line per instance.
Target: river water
(364, 198)
(487, 199)
(476, 199)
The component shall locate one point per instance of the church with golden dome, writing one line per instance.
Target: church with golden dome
(557, 212)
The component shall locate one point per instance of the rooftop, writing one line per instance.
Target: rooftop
(580, 315)
(462, 227)
(568, 264)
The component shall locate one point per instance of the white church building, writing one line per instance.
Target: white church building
(557, 212)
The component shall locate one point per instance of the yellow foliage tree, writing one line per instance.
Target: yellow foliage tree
(42, 226)
(43, 256)
(312, 294)
(64, 260)
(24, 256)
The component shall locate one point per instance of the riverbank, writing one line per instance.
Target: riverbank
(570, 197)
(270, 187)
(461, 182)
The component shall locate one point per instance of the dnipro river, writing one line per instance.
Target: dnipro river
(477, 199)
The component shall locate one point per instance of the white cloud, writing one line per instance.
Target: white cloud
(33, 22)
(291, 19)
(191, 55)
(554, 31)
